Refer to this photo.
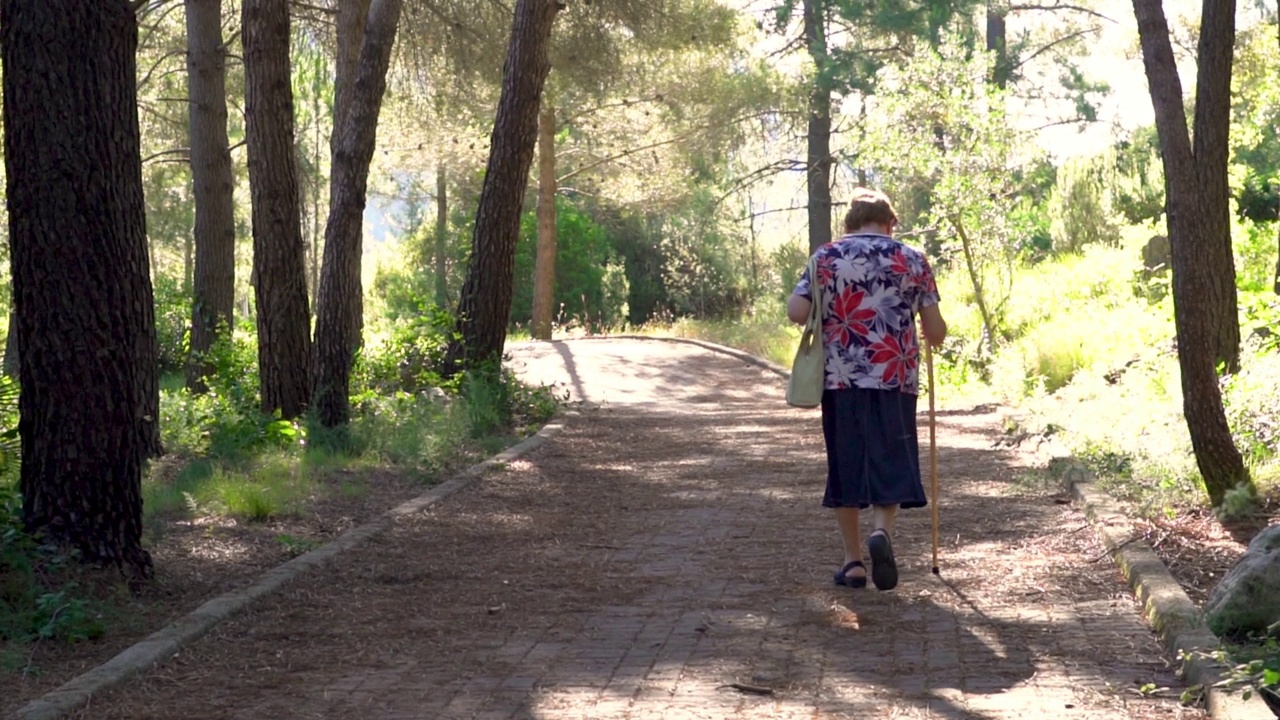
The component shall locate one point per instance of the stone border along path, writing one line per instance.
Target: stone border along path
(171, 639)
(694, 602)
(1177, 620)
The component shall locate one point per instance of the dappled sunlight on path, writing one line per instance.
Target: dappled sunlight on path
(667, 557)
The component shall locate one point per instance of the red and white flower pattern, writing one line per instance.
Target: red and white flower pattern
(873, 286)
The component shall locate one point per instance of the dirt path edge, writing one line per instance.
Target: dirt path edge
(1176, 619)
(169, 640)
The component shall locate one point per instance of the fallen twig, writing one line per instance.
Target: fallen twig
(1119, 547)
(751, 689)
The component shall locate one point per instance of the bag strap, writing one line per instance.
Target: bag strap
(815, 289)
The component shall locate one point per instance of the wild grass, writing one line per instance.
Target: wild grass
(763, 331)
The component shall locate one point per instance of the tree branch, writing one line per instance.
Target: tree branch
(1050, 46)
(186, 152)
(1058, 6)
(313, 8)
(631, 151)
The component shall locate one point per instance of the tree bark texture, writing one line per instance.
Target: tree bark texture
(1212, 154)
(442, 235)
(82, 284)
(12, 356)
(1218, 459)
(213, 305)
(818, 163)
(352, 18)
(544, 274)
(998, 43)
(279, 253)
(484, 307)
(340, 307)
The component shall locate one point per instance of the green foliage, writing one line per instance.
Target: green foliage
(642, 260)
(496, 401)
(582, 253)
(296, 546)
(424, 432)
(763, 331)
(1139, 177)
(410, 354)
(1255, 115)
(703, 272)
(1081, 211)
(173, 324)
(33, 605)
(1254, 667)
(227, 421)
(958, 148)
(1254, 246)
(786, 262)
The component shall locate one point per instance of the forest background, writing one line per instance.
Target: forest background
(677, 148)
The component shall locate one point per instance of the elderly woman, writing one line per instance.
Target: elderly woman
(873, 286)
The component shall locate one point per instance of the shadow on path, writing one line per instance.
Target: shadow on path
(669, 545)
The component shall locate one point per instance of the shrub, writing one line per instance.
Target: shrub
(173, 324)
(1081, 209)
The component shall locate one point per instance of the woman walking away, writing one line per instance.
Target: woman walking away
(872, 288)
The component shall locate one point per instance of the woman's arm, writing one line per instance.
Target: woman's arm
(798, 308)
(935, 328)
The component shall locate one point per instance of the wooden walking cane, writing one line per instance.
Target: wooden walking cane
(933, 455)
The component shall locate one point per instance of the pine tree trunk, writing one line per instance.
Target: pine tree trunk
(818, 163)
(1212, 152)
(279, 254)
(12, 356)
(997, 42)
(1218, 459)
(213, 306)
(352, 19)
(82, 286)
(340, 308)
(485, 303)
(442, 235)
(544, 274)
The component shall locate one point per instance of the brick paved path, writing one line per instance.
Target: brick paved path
(667, 545)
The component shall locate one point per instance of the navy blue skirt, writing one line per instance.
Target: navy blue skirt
(873, 455)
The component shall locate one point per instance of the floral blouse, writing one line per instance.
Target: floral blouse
(873, 286)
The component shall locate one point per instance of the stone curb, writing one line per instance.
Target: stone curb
(1177, 621)
(169, 640)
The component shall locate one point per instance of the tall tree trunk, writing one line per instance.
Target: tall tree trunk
(188, 263)
(818, 164)
(213, 306)
(82, 284)
(340, 308)
(485, 304)
(544, 274)
(442, 235)
(1192, 253)
(279, 255)
(998, 43)
(1211, 151)
(12, 356)
(353, 18)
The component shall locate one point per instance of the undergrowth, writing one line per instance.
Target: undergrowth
(226, 459)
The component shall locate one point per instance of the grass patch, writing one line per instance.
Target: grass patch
(764, 331)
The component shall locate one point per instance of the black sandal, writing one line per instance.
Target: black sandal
(884, 570)
(842, 577)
